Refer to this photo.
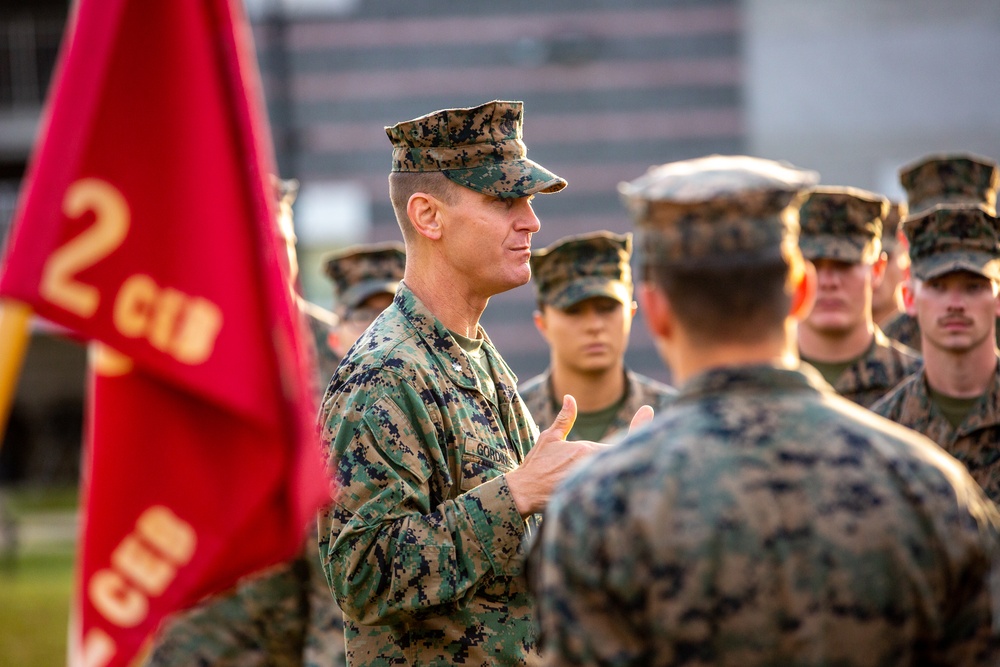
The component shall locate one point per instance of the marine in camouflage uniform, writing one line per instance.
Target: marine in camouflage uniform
(588, 280)
(760, 519)
(364, 279)
(427, 437)
(943, 178)
(887, 299)
(840, 234)
(283, 616)
(956, 241)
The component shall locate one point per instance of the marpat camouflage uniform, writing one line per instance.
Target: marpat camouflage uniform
(905, 330)
(942, 240)
(480, 148)
(845, 224)
(877, 372)
(640, 390)
(943, 178)
(282, 617)
(976, 442)
(571, 270)
(762, 520)
(362, 271)
(423, 544)
(949, 178)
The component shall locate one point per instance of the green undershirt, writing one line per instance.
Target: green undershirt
(955, 409)
(474, 348)
(594, 425)
(830, 370)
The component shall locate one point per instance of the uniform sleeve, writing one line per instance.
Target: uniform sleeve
(392, 554)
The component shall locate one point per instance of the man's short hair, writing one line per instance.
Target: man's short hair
(736, 304)
(402, 185)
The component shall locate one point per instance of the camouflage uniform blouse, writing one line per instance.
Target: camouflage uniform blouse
(976, 442)
(283, 617)
(639, 391)
(762, 520)
(883, 366)
(904, 329)
(424, 540)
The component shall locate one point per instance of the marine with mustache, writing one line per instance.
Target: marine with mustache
(953, 292)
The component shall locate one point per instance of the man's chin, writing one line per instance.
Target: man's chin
(830, 328)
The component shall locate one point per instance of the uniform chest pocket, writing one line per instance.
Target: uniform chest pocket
(481, 463)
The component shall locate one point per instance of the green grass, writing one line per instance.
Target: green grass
(34, 607)
(28, 499)
(36, 581)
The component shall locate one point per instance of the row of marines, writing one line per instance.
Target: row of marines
(759, 518)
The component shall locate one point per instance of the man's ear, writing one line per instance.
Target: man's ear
(878, 270)
(423, 210)
(803, 286)
(656, 310)
(541, 324)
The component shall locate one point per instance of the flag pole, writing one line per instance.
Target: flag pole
(14, 319)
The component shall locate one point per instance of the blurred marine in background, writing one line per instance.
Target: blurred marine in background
(583, 286)
(840, 232)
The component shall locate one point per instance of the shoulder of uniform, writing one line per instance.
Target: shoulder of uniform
(532, 385)
(650, 385)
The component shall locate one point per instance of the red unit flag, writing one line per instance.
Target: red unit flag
(147, 224)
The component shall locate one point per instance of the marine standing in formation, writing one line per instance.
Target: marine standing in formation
(887, 297)
(840, 234)
(365, 279)
(943, 178)
(760, 519)
(584, 290)
(283, 616)
(428, 440)
(955, 281)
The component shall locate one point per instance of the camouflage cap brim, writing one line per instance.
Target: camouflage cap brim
(937, 265)
(357, 294)
(573, 292)
(510, 179)
(839, 249)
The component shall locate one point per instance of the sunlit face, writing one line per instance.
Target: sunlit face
(590, 336)
(885, 296)
(354, 322)
(487, 240)
(843, 297)
(956, 311)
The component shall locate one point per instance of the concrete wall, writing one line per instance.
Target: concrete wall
(856, 88)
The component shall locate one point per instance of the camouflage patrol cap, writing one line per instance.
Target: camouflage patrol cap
(950, 178)
(718, 210)
(360, 272)
(582, 267)
(890, 225)
(953, 238)
(841, 223)
(478, 147)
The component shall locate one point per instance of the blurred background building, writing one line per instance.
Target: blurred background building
(850, 89)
